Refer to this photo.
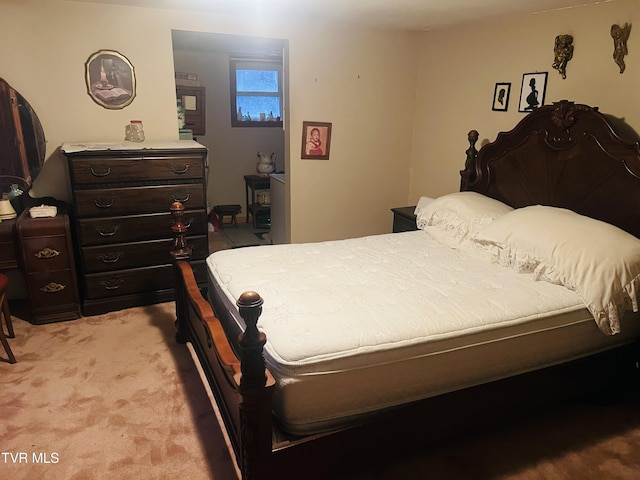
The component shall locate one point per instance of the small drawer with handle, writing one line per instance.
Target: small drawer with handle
(96, 171)
(107, 202)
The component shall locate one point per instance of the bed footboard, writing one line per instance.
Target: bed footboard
(242, 387)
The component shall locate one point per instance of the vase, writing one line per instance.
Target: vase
(266, 163)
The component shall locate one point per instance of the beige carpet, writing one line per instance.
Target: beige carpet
(111, 396)
(242, 235)
(114, 397)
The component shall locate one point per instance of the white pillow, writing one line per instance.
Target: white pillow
(460, 214)
(422, 202)
(599, 261)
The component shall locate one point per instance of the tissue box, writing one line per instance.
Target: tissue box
(43, 211)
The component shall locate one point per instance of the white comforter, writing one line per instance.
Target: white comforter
(337, 300)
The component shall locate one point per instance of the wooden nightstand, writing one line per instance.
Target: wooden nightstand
(48, 264)
(404, 220)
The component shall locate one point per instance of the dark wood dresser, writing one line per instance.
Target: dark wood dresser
(122, 194)
(8, 253)
(47, 259)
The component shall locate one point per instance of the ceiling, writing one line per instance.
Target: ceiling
(419, 15)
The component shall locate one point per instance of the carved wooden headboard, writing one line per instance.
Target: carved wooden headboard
(563, 155)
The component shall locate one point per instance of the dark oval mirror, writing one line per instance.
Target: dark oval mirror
(22, 142)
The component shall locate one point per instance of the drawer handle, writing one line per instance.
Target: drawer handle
(112, 284)
(47, 253)
(181, 200)
(100, 171)
(111, 257)
(105, 233)
(53, 287)
(103, 202)
(180, 171)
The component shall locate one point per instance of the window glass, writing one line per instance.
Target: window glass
(253, 105)
(256, 92)
(256, 80)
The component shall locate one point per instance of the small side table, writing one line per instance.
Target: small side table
(404, 220)
(49, 267)
(227, 211)
(254, 209)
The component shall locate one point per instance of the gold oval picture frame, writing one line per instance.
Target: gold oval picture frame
(111, 79)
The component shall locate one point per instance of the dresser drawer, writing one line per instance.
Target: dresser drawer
(42, 227)
(137, 254)
(96, 171)
(106, 202)
(123, 282)
(43, 254)
(47, 289)
(103, 231)
(137, 280)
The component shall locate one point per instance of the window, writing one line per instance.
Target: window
(256, 92)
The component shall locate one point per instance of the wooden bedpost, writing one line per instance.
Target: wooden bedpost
(255, 409)
(242, 386)
(251, 341)
(180, 252)
(468, 175)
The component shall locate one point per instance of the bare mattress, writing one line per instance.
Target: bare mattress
(359, 325)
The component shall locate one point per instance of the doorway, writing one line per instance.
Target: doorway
(202, 60)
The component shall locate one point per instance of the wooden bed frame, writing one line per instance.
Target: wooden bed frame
(564, 155)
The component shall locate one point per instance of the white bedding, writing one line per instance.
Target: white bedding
(357, 325)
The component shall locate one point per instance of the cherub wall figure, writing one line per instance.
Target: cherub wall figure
(563, 52)
(620, 36)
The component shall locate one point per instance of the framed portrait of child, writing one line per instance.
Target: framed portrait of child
(316, 140)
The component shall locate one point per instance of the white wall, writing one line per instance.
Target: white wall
(459, 67)
(361, 81)
(44, 46)
(364, 83)
(401, 103)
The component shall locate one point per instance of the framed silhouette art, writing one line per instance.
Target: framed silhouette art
(532, 91)
(501, 97)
